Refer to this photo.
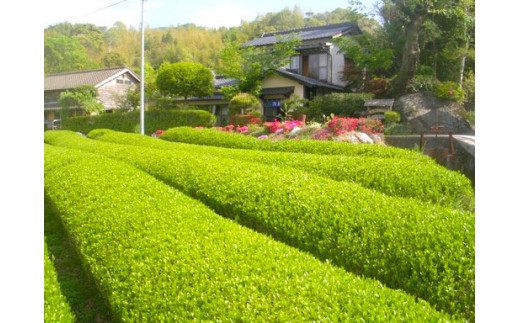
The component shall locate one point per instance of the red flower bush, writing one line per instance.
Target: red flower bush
(342, 125)
(244, 119)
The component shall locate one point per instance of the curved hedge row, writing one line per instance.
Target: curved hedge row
(392, 176)
(425, 250)
(128, 121)
(211, 137)
(159, 256)
(56, 307)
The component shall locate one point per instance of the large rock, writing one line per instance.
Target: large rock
(419, 110)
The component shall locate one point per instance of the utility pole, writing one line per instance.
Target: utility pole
(142, 67)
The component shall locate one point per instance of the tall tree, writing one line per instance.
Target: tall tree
(250, 65)
(64, 54)
(184, 79)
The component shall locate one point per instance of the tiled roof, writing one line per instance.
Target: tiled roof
(308, 81)
(307, 33)
(278, 90)
(220, 82)
(63, 81)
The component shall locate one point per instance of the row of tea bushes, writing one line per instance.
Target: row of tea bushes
(425, 250)
(160, 256)
(211, 137)
(392, 176)
(56, 307)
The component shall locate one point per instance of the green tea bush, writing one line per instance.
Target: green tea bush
(127, 121)
(425, 250)
(392, 117)
(211, 137)
(159, 256)
(56, 307)
(392, 176)
(339, 104)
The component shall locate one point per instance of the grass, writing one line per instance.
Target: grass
(76, 286)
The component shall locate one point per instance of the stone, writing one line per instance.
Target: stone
(419, 110)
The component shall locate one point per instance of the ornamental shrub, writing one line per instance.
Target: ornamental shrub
(169, 258)
(425, 250)
(450, 90)
(211, 137)
(339, 104)
(244, 102)
(392, 117)
(244, 119)
(56, 307)
(392, 176)
(127, 121)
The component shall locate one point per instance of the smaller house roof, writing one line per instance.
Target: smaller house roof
(308, 81)
(70, 80)
(307, 33)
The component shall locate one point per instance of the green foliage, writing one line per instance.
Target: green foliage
(113, 59)
(209, 137)
(82, 97)
(430, 248)
(339, 104)
(244, 102)
(398, 129)
(140, 249)
(153, 120)
(450, 90)
(184, 79)
(250, 65)
(64, 54)
(393, 176)
(292, 107)
(392, 117)
(56, 307)
(423, 83)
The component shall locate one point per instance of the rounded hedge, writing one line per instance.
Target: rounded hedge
(425, 250)
(169, 258)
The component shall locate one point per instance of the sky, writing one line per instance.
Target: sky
(164, 13)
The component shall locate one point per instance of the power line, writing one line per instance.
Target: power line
(114, 4)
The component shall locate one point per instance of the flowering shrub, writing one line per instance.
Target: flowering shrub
(277, 127)
(243, 129)
(370, 126)
(160, 132)
(244, 119)
(341, 125)
(323, 134)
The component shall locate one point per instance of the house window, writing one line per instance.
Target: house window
(119, 81)
(318, 65)
(128, 82)
(295, 64)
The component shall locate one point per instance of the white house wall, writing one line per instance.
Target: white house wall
(106, 91)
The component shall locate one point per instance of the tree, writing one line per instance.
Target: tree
(369, 55)
(64, 54)
(113, 59)
(410, 15)
(250, 65)
(244, 103)
(82, 97)
(184, 79)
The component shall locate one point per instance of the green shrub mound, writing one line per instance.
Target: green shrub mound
(426, 250)
(56, 307)
(159, 256)
(210, 137)
(129, 121)
(392, 176)
(340, 104)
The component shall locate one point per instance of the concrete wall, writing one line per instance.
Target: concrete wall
(463, 160)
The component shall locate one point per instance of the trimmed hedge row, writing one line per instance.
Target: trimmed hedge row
(210, 137)
(128, 121)
(392, 176)
(56, 307)
(425, 250)
(159, 256)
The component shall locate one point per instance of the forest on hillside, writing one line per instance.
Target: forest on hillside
(414, 44)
